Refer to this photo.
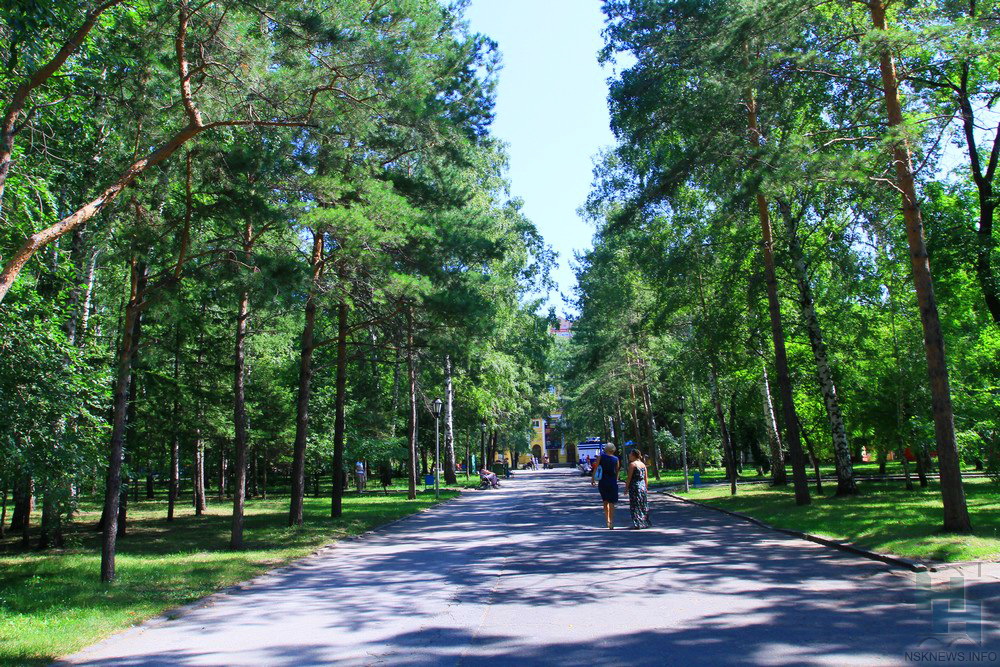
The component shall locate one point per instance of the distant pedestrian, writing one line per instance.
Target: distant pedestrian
(545, 462)
(635, 482)
(359, 473)
(605, 476)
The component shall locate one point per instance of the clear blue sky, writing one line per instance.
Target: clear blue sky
(551, 110)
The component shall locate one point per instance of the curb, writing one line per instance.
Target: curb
(888, 559)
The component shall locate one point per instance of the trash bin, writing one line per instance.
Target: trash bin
(498, 470)
(697, 478)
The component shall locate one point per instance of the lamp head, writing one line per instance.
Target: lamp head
(436, 407)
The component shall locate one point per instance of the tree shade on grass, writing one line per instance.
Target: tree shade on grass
(52, 605)
(883, 517)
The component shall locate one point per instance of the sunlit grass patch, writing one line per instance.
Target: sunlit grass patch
(883, 517)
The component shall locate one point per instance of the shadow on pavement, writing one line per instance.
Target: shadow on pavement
(527, 575)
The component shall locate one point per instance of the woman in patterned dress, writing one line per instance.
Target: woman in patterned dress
(638, 501)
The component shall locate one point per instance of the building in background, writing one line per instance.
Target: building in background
(564, 329)
(547, 438)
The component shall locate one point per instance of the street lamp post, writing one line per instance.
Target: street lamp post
(436, 409)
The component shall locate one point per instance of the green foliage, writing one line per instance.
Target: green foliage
(366, 126)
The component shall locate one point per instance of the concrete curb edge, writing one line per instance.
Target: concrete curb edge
(889, 559)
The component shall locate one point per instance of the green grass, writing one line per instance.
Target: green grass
(52, 604)
(884, 517)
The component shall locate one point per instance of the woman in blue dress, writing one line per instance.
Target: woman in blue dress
(609, 465)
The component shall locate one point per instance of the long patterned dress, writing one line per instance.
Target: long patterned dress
(638, 499)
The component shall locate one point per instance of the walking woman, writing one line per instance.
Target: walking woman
(635, 482)
(605, 476)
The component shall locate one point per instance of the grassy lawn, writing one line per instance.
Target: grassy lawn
(52, 604)
(675, 477)
(884, 517)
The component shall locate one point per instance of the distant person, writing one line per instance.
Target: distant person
(359, 474)
(605, 476)
(635, 482)
(545, 462)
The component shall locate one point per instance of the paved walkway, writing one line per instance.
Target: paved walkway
(527, 575)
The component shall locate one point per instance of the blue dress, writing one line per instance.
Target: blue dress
(608, 484)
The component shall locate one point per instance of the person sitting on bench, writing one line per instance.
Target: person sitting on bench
(489, 478)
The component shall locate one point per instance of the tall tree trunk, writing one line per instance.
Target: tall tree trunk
(647, 402)
(3, 508)
(80, 335)
(841, 448)
(634, 405)
(305, 382)
(253, 489)
(789, 417)
(24, 504)
(113, 490)
(654, 451)
(263, 476)
(222, 470)
(956, 513)
(175, 442)
(619, 427)
(131, 416)
(200, 496)
(737, 450)
(921, 467)
(468, 452)
(394, 409)
(727, 444)
(449, 425)
(814, 459)
(336, 505)
(986, 246)
(76, 258)
(411, 368)
(24, 487)
(778, 475)
(482, 447)
(239, 404)
(984, 185)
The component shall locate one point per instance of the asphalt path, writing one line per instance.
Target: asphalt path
(527, 574)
